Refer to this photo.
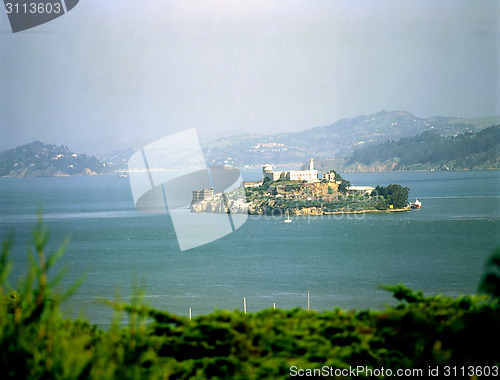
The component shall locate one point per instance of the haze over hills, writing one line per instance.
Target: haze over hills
(427, 151)
(37, 159)
(359, 143)
(338, 139)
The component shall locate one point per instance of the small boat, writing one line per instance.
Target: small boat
(287, 220)
(416, 204)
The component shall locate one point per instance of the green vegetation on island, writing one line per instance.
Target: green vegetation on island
(395, 195)
(419, 333)
(322, 198)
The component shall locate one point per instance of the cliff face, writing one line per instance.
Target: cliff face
(220, 206)
(280, 197)
(252, 208)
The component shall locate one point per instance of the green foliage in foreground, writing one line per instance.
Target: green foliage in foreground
(37, 343)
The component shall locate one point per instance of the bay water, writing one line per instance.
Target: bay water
(339, 260)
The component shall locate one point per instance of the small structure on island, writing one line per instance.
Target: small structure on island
(309, 176)
(252, 184)
(360, 190)
(330, 176)
(200, 195)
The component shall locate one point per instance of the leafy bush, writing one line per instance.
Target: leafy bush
(37, 343)
(394, 194)
(490, 283)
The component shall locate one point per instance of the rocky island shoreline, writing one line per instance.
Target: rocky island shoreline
(277, 194)
(269, 204)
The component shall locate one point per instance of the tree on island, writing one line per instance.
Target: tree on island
(343, 186)
(394, 194)
(266, 183)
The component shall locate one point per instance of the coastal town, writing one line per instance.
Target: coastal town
(302, 192)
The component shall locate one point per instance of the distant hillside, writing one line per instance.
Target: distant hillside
(42, 160)
(117, 161)
(427, 151)
(330, 145)
(338, 139)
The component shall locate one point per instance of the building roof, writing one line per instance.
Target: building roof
(360, 188)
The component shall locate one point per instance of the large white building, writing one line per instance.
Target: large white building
(310, 175)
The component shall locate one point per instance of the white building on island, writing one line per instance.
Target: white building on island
(310, 175)
(360, 190)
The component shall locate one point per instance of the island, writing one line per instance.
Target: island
(302, 192)
(37, 159)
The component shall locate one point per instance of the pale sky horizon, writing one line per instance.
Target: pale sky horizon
(107, 76)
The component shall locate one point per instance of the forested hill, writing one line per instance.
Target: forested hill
(431, 151)
(336, 140)
(43, 160)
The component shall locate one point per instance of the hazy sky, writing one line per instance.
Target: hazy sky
(112, 74)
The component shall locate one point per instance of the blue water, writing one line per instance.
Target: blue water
(339, 260)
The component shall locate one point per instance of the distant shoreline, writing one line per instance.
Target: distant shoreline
(315, 212)
(117, 173)
(421, 170)
(367, 211)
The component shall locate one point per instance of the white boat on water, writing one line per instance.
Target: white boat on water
(416, 204)
(287, 220)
